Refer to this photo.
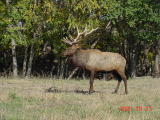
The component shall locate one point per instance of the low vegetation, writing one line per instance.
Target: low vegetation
(51, 99)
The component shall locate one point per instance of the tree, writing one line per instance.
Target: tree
(29, 28)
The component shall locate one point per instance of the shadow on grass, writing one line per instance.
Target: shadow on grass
(55, 90)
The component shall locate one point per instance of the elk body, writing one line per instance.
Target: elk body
(94, 60)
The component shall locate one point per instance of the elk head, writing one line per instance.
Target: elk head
(71, 50)
(73, 42)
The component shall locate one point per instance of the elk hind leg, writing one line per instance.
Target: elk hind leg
(124, 78)
(117, 87)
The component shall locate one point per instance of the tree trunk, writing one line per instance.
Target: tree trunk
(157, 70)
(59, 67)
(84, 74)
(73, 72)
(51, 72)
(133, 64)
(14, 59)
(13, 44)
(157, 60)
(25, 61)
(7, 3)
(30, 62)
(125, 48)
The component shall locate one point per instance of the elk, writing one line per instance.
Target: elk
(95, 60)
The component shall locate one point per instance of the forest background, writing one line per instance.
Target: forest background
(32, 33)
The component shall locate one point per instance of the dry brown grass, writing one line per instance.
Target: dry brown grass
(29, 99)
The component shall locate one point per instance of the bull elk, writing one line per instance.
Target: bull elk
(94, 60)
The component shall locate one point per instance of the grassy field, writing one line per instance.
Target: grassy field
(32, 99)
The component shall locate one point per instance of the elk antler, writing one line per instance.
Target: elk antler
(66, 40)
(70, 40)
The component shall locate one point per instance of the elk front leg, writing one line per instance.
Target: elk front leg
(91, 89)
(125, 84)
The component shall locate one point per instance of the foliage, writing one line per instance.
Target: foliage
(136, 22)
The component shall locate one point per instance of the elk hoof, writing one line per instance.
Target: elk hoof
(114, 92)
(90, 92)
(124, 93)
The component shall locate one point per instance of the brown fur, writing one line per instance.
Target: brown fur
(95, 60)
